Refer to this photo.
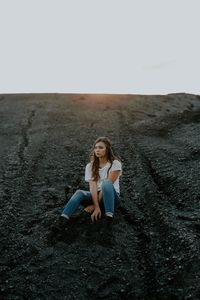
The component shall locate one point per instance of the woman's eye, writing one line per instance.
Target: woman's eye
(96, 147)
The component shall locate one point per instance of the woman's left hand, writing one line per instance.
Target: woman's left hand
(96, 213)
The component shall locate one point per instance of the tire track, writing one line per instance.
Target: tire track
(160, 237)
(25, 127)
(134, 216)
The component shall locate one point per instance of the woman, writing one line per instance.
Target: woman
(102, 173)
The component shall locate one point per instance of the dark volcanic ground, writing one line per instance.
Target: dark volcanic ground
(154, 251)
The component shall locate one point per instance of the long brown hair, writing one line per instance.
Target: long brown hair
(109, 153)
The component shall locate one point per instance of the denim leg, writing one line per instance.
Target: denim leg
(110, 197)
(75, 201)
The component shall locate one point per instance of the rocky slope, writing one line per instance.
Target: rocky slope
(153, 252)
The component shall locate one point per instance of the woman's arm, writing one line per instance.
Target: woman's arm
(90, 208)
(113, 175)
(100, 196)
(93, 191)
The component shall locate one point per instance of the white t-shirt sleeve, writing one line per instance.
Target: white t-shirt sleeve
(116, 166)
(88, 172)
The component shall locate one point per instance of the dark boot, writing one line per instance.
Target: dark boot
(59, 224)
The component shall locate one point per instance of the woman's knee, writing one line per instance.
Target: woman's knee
(79, 193)
(107, 184)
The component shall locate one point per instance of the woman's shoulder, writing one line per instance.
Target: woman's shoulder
(116, 163)
(88, 165)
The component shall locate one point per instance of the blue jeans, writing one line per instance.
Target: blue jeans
(110, 197)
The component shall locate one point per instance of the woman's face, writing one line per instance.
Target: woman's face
(100, 150)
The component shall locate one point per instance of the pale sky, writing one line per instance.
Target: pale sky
(100, 46)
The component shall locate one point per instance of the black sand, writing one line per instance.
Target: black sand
(153, 252)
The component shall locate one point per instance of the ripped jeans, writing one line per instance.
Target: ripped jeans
(110, 197)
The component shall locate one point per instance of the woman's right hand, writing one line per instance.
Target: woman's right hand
(89, 208)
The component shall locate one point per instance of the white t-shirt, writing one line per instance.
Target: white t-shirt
(116, 166)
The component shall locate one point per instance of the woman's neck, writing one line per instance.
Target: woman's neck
(103, 160)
